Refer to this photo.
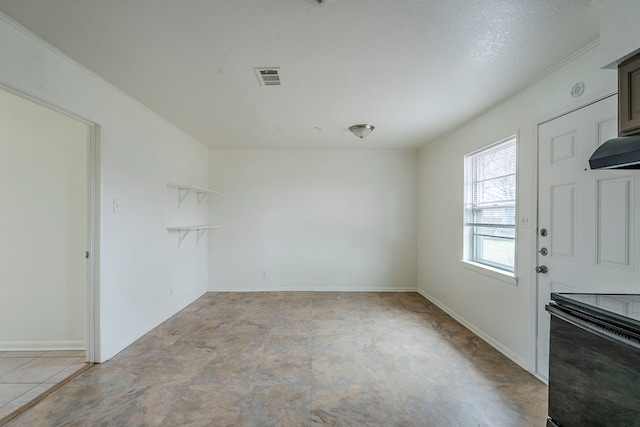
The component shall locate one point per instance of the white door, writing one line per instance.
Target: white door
(592, 237)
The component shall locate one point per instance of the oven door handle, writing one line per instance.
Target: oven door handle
(591, 327)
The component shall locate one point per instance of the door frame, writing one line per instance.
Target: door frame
(93, 222)
(597, 96)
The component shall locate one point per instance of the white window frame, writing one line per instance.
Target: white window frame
(469, 258)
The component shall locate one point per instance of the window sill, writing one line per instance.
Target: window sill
(491, 272)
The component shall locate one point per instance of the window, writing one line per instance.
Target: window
(490, 206)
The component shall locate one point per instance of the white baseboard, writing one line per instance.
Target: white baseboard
(541, 378)
(150, 325)
(492, 342)
(314, 290)
(42, 345)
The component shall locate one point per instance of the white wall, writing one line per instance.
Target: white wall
(313, 220)
(619, 32)
(499, 312)
(43, 182)
(140, 153)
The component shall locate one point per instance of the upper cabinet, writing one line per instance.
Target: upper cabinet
(629, 97)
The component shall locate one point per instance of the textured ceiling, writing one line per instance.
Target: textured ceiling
(413, 68)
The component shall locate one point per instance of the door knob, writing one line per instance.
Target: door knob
(542, 269)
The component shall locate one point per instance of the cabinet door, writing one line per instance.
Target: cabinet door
(629, 96)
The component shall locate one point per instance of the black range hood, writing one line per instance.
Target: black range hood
(623, 152)
(617, 153)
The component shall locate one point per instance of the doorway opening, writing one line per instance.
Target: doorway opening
(48, 258)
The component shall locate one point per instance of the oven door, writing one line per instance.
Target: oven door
(594, 373)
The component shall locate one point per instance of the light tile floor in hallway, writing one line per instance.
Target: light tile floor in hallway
(301, 359)
(24, 375)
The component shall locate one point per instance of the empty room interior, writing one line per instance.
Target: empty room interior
(309, 212)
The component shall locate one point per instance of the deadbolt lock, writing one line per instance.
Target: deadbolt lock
(543, 251)
(543, 232)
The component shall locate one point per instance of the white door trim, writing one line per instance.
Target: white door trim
(591, 99)
(93, 234)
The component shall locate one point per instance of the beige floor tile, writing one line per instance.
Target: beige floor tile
(38, 370)
(8, 364)
(63, 374)
(24, 398)
(10, 392)
(65, 353)
(23, 354)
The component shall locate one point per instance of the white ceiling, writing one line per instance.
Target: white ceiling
(413, 68)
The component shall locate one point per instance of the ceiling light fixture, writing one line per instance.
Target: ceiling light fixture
(361, 130)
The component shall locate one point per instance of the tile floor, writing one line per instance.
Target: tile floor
(301, 359)
(24, 375)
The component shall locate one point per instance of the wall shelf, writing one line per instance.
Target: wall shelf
(185, 189)
(184, 230)
(201, 195)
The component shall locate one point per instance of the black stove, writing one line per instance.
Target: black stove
(594, 360)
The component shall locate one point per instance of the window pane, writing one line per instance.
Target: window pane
(495, 215)
(494, 162)
(496, 232)
(494, 251)
(495, 189)
(490, 203)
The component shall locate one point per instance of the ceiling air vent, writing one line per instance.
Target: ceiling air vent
(268, 76)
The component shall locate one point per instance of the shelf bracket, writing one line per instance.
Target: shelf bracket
(200, 234)
(182, 234)
(201, 198)
(182, 194)
(183, 191)
(184, 231)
